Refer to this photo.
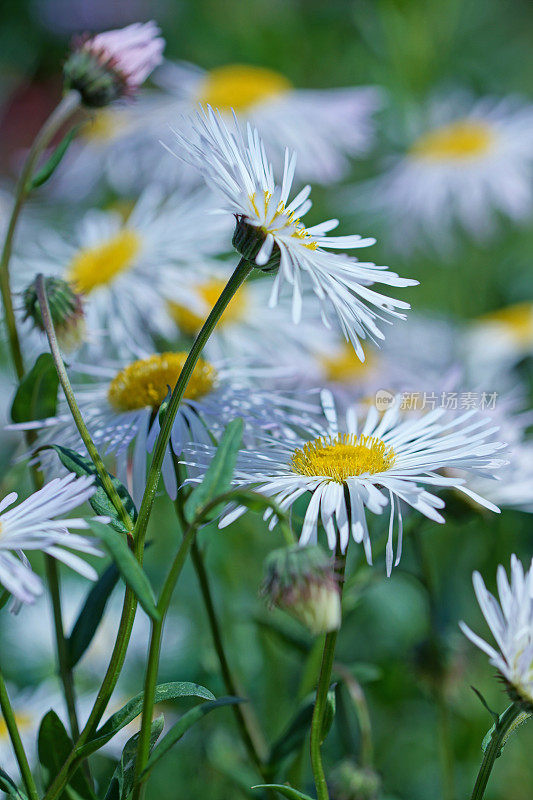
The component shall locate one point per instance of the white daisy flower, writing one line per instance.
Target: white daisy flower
(269, 230)
(378, 464)
(32, 525)
(465, 165)
(120, 407)
(326, 126)
(125, 269)
(500, 339)
(511, 624)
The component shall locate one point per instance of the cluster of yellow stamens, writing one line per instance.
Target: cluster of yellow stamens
(286, 220)
(239, 87)
(515, 320)
(344, 365)
(460, 140)
(342, 456)
(190, 322)
(93, 267)
(144, 383)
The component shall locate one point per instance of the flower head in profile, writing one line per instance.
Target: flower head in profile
(372, 465)
(511, 623)
(33, 525)
(113, 64)
(270, 232)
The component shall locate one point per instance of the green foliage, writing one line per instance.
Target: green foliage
(81, 465)
(9, 786)
(132, 709)
(285, 791)
(90, 615)
(48, 169)
(130, 569)
(36, 396)
(217, 479)
(55, 746)
(121, 783)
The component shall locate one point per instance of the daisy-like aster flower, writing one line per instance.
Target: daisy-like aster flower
(511, 623)
(32, 525)
(113, 64)
(29, 707)
(120, 407)
(324, 126)
(270, 232)
(125, 268)
(378, 464)
(468, 162)
(499, 339)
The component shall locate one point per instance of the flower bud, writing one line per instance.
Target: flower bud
(66, 311)
(113, 64)
(248, 240)
(302, 581)
(351, 782)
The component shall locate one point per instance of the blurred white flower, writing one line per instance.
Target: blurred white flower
(32, 526)
(463, 166)
(511, 623)
(270, 232)
(388, 460)
(29, 707)
(500, 339)
(124, 265)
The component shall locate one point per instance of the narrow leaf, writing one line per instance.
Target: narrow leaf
(294, 735)
(81, 465)
(48, 169)
(132, 709)
(329, 713)
(36, 396)
(286, 791)
(183, 725)
(54, 747)
(9, 786)
(90, 615)
(121, 783)
(130, 569)
(217, 479)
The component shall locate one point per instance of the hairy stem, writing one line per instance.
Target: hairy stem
(16, 741)
(493, 749)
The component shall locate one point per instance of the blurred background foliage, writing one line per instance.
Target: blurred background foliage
(404, 648)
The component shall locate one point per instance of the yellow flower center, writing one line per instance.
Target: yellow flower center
(460, 140)
(93, 267)
(24, 722)
(240, 86)
(102, 127)
(516, 320)
(344, 366)
(281, 220)
(190, 322)
(342, 456)
(145, 383)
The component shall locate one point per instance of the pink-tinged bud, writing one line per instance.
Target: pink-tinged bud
(113, 64)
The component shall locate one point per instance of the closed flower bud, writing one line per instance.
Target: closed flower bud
(351, 782)
(113, 64)
(65, 308)
(302, 581)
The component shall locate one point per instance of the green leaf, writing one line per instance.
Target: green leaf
(54, 746)
(9, 786)
(286, 791)
(81, 465)
(130, 569)
(48, 169)
(4, 597)
(217, 479)
(36, 396)
(121, 783)
(520, 719)
(329, 713)
(295, 733)
(90, 615)
(183, 725)
(132, 709)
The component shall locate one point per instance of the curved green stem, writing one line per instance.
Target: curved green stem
(240, 274)
(324, 679)
(493, 749)
(57, 118)
(16, 741)
(73, 405)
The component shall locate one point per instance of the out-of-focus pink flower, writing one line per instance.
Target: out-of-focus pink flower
(113, 64)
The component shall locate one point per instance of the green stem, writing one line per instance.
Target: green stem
(324, 680)
(493, 749)
(238, 277)
(154, 652)
(16, 741)
(73, 405)
(57, 118)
